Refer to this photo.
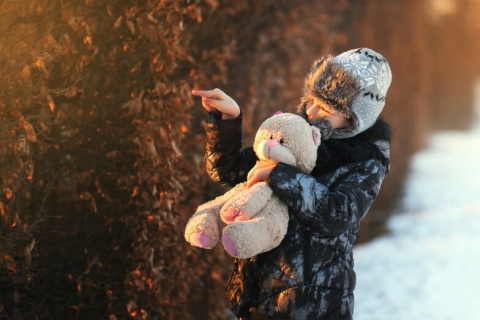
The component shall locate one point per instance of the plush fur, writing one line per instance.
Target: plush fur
(253, 220)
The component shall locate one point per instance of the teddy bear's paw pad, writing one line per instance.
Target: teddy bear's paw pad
(233, 215)
(199, 239)
(229, 245)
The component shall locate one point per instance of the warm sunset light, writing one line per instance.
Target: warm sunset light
(102, 143)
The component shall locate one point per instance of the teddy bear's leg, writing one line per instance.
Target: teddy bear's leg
(246, 204)
(264, 232)
(202, 230)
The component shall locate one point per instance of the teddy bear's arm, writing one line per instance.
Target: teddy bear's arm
(246, 204)
(202, 230)
(221, 199)
(265, 231)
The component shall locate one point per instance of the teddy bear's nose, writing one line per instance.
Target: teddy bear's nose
(272, 143)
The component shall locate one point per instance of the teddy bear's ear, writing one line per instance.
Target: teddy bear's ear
(277, 113)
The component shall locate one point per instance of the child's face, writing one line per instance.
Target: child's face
(321, 109)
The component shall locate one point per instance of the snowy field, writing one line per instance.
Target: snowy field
(428, 266)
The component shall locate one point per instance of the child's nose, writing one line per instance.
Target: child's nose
(272, 143)
(312, 110)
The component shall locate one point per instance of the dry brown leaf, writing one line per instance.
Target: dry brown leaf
(10, 263)
(27, 253)
(86, 195)
(118, 22)
(8, 193)
(31, 136)
(50, 102)
(131, 26)
(2, 210)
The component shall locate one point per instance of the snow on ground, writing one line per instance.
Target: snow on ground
(428, 266)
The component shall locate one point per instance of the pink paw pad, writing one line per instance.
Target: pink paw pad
(199, 239)
(229, 245)
(233, 215)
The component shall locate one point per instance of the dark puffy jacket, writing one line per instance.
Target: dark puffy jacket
(310, 274)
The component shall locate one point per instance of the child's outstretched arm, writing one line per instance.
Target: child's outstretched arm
(216, 99)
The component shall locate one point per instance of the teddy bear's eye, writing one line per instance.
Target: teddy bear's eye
(271, 137)
(282, 141)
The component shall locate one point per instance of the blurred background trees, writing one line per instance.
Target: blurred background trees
(101, 147)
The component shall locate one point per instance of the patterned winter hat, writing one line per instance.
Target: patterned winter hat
(355, 83)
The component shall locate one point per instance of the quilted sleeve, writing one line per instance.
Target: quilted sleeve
(329, 210)
(225, 160)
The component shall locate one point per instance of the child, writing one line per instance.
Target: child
(310, 274)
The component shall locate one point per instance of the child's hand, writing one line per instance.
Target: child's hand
(260, 172)
(217, 99)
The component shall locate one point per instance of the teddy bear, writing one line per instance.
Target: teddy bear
(253, 220)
